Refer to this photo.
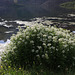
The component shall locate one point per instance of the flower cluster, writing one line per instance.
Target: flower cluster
(51, 46)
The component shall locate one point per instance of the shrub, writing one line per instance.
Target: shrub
(41, 45)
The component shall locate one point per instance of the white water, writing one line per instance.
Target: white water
(3, 46)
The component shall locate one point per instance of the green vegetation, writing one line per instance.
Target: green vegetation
(32, 71)
(68, 5)
(40, 49)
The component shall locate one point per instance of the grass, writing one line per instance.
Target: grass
(31, 71)
(68, 5)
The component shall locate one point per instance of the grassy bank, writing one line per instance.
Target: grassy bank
(32, 71)
(68, 5)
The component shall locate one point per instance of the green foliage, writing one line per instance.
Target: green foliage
(13, 71)
(8, 70)
(51, 47)
(68, 5)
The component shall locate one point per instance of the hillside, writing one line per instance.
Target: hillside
(32, 2)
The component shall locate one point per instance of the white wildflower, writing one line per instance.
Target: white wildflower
(70, 41)
(65, 45)
(35, 30)
(32, 42)
(27, 37)
(63, 51)
(49, 37)
(55, 38)
(63, 42)
(27, 33)
(74, 58)
(37, 56)
(46, 56)
(37, 51)
(43, 56)
(61, 39)
(32, 50)
(44, 35)
(14, 47)
(48, 44)
(56, 49)
(38, 28)
(39, 47)
(58, 66)
(38, 37)
(52, 47)
(44, 44)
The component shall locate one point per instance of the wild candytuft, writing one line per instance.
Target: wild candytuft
(42, 45)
